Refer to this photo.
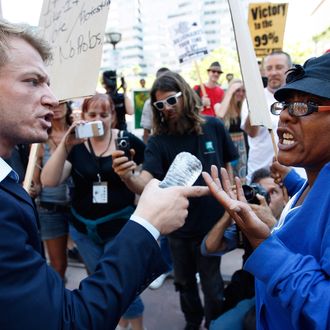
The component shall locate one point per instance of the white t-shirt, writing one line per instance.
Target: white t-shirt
(146, 117)
(261, 150)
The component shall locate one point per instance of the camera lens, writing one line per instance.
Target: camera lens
(123, 144)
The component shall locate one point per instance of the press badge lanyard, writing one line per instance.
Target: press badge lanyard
(100, 188)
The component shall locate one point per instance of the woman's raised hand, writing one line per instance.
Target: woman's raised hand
(235, 204)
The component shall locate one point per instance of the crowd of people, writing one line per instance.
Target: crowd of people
(105, 196)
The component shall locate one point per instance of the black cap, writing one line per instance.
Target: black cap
(312, 78)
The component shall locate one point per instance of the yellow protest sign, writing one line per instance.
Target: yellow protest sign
(267, 25)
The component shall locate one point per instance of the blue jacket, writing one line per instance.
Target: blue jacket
(293, 182)
(33, 296)
(292, 267)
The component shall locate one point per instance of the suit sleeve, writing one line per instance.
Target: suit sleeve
(33, 296)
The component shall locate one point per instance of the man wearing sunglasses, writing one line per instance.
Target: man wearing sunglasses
(214, 93)
(179, 126)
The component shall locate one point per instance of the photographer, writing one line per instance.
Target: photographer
(122, 102)
(101, 202)
(269, 201)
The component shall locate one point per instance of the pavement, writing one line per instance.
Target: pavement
(162, 309)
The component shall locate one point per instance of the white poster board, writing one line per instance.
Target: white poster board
(255, 95)
(75, 29)
(188, 38)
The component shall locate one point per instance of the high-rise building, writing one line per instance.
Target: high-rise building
(146, 42)
(125, 18)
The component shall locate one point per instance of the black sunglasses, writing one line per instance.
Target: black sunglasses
(298, 109)
(216, 71)
(171, 100)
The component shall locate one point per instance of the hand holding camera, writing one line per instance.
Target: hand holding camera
(89, 129)
(251, 191)
(235, 204)
(122, 143)
(79, 131)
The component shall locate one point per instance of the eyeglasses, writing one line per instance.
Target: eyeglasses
(171, 100)
(298, 109)
(215, 71)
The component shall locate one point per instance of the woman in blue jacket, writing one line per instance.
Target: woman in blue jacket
(291, 263)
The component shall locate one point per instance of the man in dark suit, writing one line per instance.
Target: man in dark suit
(32, 295)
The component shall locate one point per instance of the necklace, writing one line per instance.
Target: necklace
(106, 149)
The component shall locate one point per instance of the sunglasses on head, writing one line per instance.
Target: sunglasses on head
(171, 100)
(298, 109)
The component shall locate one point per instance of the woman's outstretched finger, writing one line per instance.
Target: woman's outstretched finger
(215, 176)
(220, 195)
(211, 183)
(226, 183)
(239, 190)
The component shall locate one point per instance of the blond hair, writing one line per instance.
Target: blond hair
(9, 31)
(234, 108)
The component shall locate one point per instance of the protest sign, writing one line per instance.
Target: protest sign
(75, 30)
(267, 25)
(189, 42)
(188, 38)
(255, 95)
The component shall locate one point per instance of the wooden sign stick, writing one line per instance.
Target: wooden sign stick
(255, 96)
(31, 166)
(200, 81)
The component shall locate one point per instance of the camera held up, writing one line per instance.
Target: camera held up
(122, 143)
(250, 193)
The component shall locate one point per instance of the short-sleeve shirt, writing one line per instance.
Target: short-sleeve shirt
(215, 94)
(261, 151)
(147, 115)
(85, 168)
(213, 147)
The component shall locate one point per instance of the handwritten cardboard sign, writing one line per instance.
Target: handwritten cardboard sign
(267, 25)
(75, 29)
(188, 38)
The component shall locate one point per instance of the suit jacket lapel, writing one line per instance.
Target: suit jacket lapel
(15, 189)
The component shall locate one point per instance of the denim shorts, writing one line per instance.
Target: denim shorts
(91, 253)
(53, 224)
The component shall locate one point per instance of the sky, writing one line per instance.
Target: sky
(297, 26)
(18, 11)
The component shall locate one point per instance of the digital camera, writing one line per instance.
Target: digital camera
(122, 143)
(251, 191)
(89, 129)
